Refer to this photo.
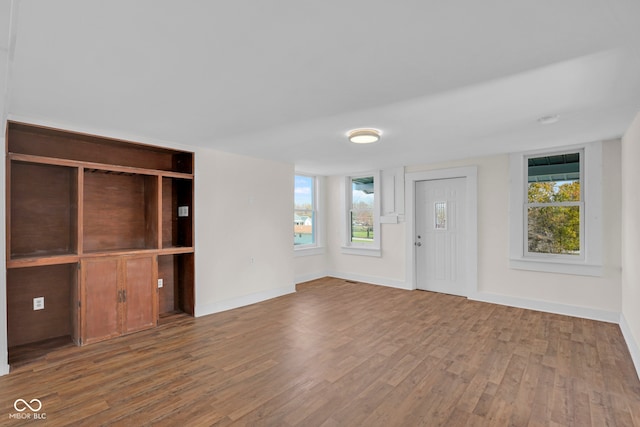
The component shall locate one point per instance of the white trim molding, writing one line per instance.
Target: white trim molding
(548, 307)
(590, 263)
(353, 248)
(309, 277)
(230, 304)
(370, 280)
(470, 173)
(632, 344)
(308, 251)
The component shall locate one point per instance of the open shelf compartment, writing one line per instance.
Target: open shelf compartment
(44, 210)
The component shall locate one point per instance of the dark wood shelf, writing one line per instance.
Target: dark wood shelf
(175, 250)
(45, 259)
(65, 145)
(93, 166)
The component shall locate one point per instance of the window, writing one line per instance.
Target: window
(362, 208)
(440, 216)
(555, 210)
(362, 218)
(554, 205)
(304, 211)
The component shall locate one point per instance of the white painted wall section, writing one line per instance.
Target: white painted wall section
(591, 297)
(388, 269)
(243, 214)
(630, 318)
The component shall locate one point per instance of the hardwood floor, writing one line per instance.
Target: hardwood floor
(342, 354)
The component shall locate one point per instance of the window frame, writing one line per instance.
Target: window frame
(316, 246)
(527, 205)
(355, 248)
(589, 263)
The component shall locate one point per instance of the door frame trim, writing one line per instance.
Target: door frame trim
(470, 173)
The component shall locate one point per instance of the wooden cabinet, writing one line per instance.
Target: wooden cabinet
(118, 296)
(92, 224)
(100, 306)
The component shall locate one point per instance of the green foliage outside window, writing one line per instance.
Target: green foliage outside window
(554, 229)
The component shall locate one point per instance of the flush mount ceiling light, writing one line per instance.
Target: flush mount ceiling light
(364, 135)
(547, 120)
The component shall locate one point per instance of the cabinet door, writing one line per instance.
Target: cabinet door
(140, 295)
(100, 307)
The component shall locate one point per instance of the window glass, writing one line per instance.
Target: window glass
(440, 215)
(362, 210)
(554, 204)
(304, 210)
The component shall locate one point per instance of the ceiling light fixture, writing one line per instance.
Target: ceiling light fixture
(364, 135)
(547, 120)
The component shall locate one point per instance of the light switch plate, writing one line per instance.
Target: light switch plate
(160, 283)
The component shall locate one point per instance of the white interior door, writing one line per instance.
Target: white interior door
(440, 235)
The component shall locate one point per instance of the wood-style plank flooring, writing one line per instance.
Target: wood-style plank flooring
(342, 354)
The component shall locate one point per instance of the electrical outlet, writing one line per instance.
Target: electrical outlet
(183, 211)
(38, 303)
(160, 283)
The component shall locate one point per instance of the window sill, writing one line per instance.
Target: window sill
(351, 250)
(555, 266)
(307, 251)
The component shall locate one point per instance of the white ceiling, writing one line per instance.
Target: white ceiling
(286, 79)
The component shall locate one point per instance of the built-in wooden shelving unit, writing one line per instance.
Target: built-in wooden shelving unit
(92, 224)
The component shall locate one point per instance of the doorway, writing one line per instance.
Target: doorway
(444, 218)
(440, 235)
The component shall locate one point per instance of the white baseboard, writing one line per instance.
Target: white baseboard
(382, 281)
(310, 277)
(632, 344)
(548, 307)
(4, 370)
(230, 304)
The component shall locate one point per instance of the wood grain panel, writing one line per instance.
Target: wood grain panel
(167, 271)
(184, 190)
(39, 141)
(177, 231)
(43, 209)
(151, 211)
(55, 283)
(100, 309)
(169, 214)
(186, 283)
(140, 304)
(114, 211)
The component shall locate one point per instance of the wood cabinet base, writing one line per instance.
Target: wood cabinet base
(118, 296)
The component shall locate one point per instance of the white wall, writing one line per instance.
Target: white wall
(595, 297)
(592, 297)
(243, 230)
(630, 319)
(388, 269)
(310, 267)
